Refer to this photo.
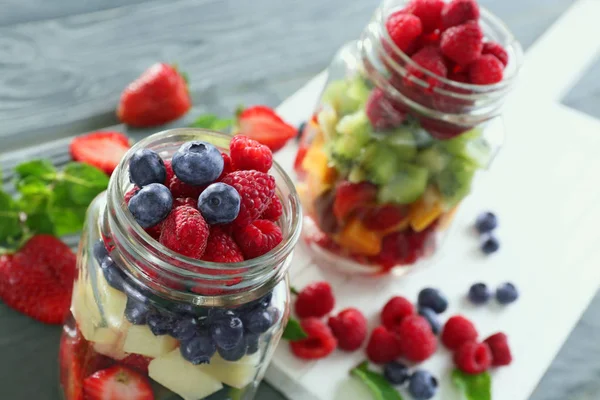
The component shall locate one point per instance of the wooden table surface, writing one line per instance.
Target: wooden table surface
(63, 65)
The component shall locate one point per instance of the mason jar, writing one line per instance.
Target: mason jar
(142, 306)
(392, 149)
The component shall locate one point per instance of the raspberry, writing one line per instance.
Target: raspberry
(383, 346)
(417, 341)
(428, 11)
(131, 193)
(458, 12)
(221, 247)
(315, 300)
(403, 29)
(256, 190)
(497, 51)
(179, 188)
(227, 166)
(274, 211)
(185, 232)
(320, 341)
(431, 59)
(258, 238)
(381, 113)
(395, 310)
(473, 357)
(185, 201)
(350, 329)
(457, 331)
(155, 231)
(463, 43)
(461, 77)
(498, 344)
(486, 70)
(247, 154)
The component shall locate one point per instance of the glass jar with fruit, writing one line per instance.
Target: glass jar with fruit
(409, 115)
(182, 287)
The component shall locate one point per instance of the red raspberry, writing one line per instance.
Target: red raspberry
(227, 166)
(131, 193)
(247, 154)
(501, 354)
(431, 59)
(315, 300)
(486, 70)
(274, 211)
(417, 341)
(256, 190)
(221, 247)
(320, 341)
(383, 346)
(395, 310)
(155, 231)
(137, 362)
(381, 113)
(497, 51)
(463, 43)
(185, 232)
(473, 357)
(185, 201)
(258, 238)
(461, 77)
(428, 11)
(403, 29)
(179, 188)
(457, 331)
(458, 12)
(350, 328)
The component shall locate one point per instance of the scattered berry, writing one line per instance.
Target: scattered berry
(396, 373)
(463, 43)
(486, 222)
(350, 328)
(219, 203)
(479, 293)
(422, 385)
(274, 211)
(489, 243)
(434, 299)
(117, 382)
(258, 238)
(431, 317)
(458, 12)
(506, 293)
(496, 50)
(151, 205)
(431, 59)
(262, 124)
(486, 70)
(319, 343)
(403, 29)
(315, 300)
(382, 115)
(473, 358)
(256, 189)
(198, 350)
(249, 154)
(383, 346)
(137, 362)
(221, 248)
(227, 331)
(417, 341)
(185, 232)
(457, 331)
(102, 150)
(428, 11)
(158, 96)
(197, 163)
(146, 167)
(136, 312)
(501, 354)
(395, 310)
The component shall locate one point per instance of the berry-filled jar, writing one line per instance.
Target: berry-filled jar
(410, 113)
(198, 322)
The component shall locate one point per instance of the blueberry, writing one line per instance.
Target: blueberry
(198, 350)
(486, 222)
(479, 293)
(396, 373)
(136, 312)
(434, 299)
(489, 243)
(100, 251)
(265, 301)
(146, 167)
(233, 354)
(432, 318)
(161, 323)
(197, 163)
(506, 293)
(135, 293)
(185, 329)
(227, 331)
(422, 385)
(219, 203)
(113, 274)
(300, 130)
(258, 320)
(151, 204)
(251, 343)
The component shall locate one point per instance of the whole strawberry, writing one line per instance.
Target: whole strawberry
(350, 328)
(185, 232)
(315, 300)
(158, 96)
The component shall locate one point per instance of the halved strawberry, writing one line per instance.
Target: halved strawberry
(351, 196)
(137, 362)
(116, 383)
(102, 149)
(384, 217)
(262, 124)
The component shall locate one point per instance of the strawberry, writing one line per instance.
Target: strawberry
(350, 196)
(117, 383)
(137, 362)
(102, 149)
(38, 279)
(384, 217)
(158, 96)
(262, 124)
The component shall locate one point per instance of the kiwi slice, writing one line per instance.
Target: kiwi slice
(407, 185)
(403, 142)
(380, 162)
(346, 96)
(434, 159)
(470, 146)
(454, 181)
(357, 174)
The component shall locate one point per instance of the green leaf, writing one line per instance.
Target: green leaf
(67, 220)
(41, 169)
(83, 182)
(32, 186)
(294, 291)
(222, 124)
(10, 224)
(211, 121)
(377, 384)
(473, 387)
(293, 331)
(40, 222)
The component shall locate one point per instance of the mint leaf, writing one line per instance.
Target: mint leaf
(222, 124)
(40, 222)
(32, 186)
(10, 223)
(377, 384)
(41, 169)
(211, 121)
(83, 182)
(473, 387)
(67, 220)
(293, 331)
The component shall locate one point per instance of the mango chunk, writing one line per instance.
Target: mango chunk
(423, 213)
(358, 239)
